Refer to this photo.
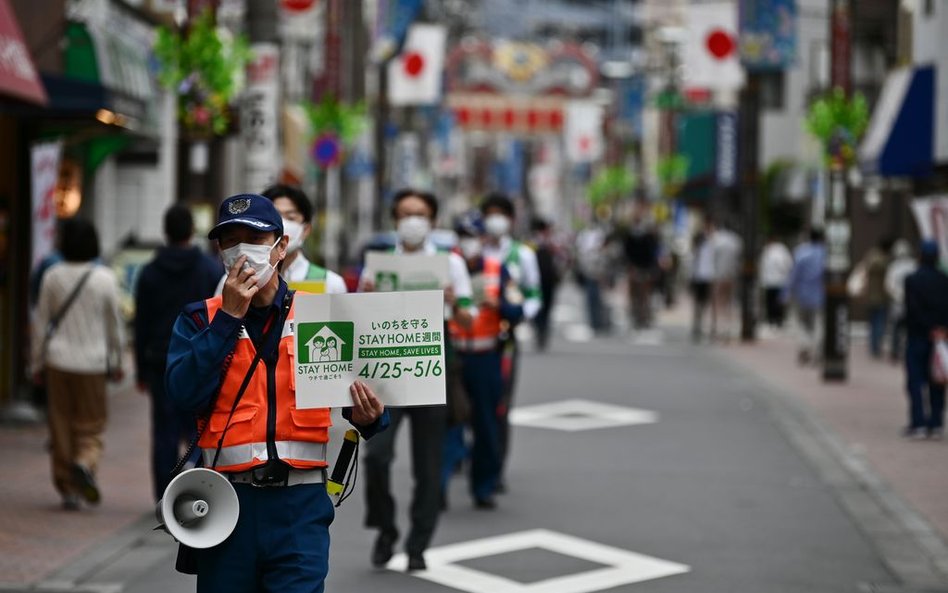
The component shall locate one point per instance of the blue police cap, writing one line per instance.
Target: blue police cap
(470, 224)
(250, 210)
(928, 247)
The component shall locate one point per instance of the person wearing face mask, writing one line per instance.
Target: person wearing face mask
(414, 213)
(477, 348)
(521, 261)
(296, 211)
(230, 363)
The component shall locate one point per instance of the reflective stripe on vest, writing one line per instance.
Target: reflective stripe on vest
(485, 328)
(300, 436)
(256, 453)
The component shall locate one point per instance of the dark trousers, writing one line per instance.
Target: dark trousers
(169, 428)
(542, 321)
(774, 306)
(918, 354)
(509, 365)
(878, 316)
(280, 543)
(482, 381)
(428, 425)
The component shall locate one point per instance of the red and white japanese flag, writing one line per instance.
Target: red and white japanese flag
(414, 76)
(710, 50)
(582, 131)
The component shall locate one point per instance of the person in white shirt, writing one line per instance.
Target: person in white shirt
(727, 248)
(521, 263)
(902, 264)
(297, 213)
(776, 261)
(414, 213)
(75, 355)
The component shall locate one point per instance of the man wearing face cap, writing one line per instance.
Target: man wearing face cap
(926, 319)
(297, 213)
(414, 213)
(230, 363)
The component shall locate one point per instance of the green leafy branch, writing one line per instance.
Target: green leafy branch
(204, 68)
(330, 116)
(672, 171)
(610, 184)
(838, 123)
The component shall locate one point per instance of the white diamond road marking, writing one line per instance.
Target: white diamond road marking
(623, 567)
(578, 414)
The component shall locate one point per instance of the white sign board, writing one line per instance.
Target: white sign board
(44, 164)
(393, 271)
(931, 216)
(392, 341)
(260, 117)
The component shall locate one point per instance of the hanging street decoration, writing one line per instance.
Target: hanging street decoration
(838, 123)
(202, 67)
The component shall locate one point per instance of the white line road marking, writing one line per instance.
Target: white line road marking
(579, 414)
(624, 567)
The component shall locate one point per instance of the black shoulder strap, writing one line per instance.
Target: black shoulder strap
(287, 303)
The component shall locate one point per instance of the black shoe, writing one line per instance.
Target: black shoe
(383, 550)
(88, 489)
(485, 504)
(70, 502)
(416, 562)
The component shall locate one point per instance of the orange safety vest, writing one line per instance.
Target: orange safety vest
(300, 436)
(486, 327)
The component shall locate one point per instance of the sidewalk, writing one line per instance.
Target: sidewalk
(866, 413)
(37, 538)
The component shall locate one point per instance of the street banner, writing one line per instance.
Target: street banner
(44, 163)
(394, 342)
(395, 272)
(710, 51)
(931, 215)
(260, 117)
(414, 76)
(768, 34)
(583, 131)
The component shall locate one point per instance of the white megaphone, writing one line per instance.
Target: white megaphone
(199, 508)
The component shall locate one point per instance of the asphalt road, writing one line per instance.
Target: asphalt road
(689, 483)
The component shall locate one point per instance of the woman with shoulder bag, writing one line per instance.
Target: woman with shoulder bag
(77, 343)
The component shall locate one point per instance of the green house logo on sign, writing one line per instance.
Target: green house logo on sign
(325, 342)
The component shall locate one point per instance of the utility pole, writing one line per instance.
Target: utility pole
(838, 228)
(749, 130)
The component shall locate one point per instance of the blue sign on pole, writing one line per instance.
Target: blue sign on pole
(768, 33)
(726, 150)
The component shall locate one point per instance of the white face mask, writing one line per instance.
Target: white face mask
(295, 231)
(470, 247)
(412, 230)
(258, 258)
(497, 225)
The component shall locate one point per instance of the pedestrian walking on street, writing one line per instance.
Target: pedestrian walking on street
(926, 318)
(641, 246)
(237, 348)
(806, 290)
(776, 261)
(498, 302)
(76, 348)
(876, 263)
(548, 263)
(903, 264)
(702, 277)
(180, 273)
(414, 213)
(521, 261)
(726, 246)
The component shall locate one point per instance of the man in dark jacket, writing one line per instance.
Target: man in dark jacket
(926, 315)
(179, 274)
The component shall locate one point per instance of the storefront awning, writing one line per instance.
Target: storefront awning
(18, 77)
(900, 139)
